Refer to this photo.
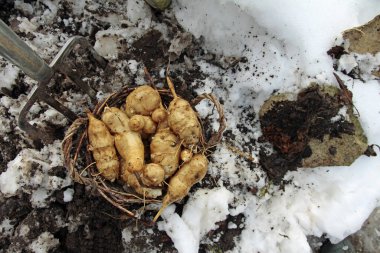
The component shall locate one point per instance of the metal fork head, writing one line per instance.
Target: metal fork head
(40, 93)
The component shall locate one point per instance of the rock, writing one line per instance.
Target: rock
(364, 39)
(159, 4)
(316, 127)
(367, 239)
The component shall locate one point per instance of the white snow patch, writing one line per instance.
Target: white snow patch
(201, 212)
(318, 201)
(361, 64)
(6, 228)
(68, 195)
(231, 225)
(347, 62)
(78, 6)
(29, 172)
(24, 230)
(366, 97)
(342, 114)
(8, 76)
(44, 243)
(127, 237)
(39, 197)
(25, 8)
(26, 26)
(133, 66)
(108, 42)
(138, 11)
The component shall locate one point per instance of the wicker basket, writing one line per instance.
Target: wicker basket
(78, 159)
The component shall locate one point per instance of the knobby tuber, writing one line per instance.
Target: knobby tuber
(183, 120)
(189, 174)
(116, 120)
(186, 155)
(144, 124)
(128, 143)
(165, 148)
(132, 180)
(103, 149)
(143, 100)
(153, 174)
(131, 149)
(159, 115)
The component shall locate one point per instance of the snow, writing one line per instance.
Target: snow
(133, 66)
(363, 65)
(28, 172)
(138, 11)
(68, 195)
(227, 25)
(347, 62)
(285, 49)
(8, 76)
(108, 42)
(44, 243)
(201, 212)
(25, 8)
(126, 235)
(26, 26)
(366, 99)
(320, 201)
(6, 228)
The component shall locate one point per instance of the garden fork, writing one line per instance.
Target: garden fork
(20, 54)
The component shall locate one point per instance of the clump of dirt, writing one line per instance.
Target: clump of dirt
(151, 49)
(226, 233)
(298, 128)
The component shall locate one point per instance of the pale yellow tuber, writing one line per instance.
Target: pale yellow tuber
(116, 120)
(189, 174)
(103, 149)
(186, 155)
(128, 143)
(143, 100)
(132, 180)
(144, 124)
(165, 149)
(159, 115)
(153, 174)
(131, 148)
(183, 120)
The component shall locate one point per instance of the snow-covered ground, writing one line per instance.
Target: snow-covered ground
(290, 41)
(285, 45)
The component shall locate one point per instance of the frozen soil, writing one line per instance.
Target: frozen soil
(87, 223)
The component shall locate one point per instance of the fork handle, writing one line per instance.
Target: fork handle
(20, 54)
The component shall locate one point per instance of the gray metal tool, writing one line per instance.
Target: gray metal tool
(20, 54)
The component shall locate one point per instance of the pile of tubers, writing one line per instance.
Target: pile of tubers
(116, 143)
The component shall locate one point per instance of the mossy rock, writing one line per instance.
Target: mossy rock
(323, 148)
(341, 151)
(269, 103)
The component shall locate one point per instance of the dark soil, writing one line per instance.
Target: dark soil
(7, 9)
(151, 49)
(88, 223)
(289, 125)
